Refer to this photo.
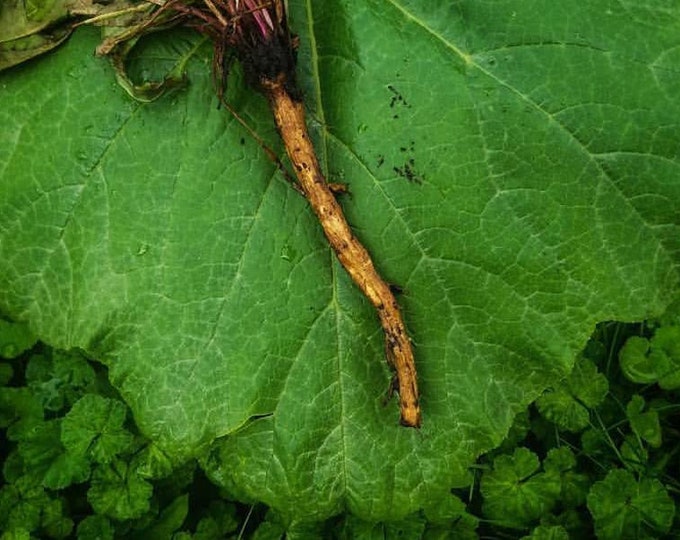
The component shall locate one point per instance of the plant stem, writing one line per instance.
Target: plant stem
(290, 120)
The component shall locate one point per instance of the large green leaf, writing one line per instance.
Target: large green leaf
(512, 165)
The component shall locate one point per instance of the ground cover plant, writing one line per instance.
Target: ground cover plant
(513, 169)
(597, 455)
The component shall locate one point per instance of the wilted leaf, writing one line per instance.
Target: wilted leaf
(27, 29)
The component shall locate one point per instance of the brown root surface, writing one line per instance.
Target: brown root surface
(290, 120)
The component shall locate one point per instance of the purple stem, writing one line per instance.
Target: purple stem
(261, 16)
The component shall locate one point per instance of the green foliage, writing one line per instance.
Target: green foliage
(26, 506)
(94, 428)
(645, 425)
(624, 507)
(83, 471)
(562, 462)
(619, 463)
(567, 404)
(544, 532)
(218, 521)
(117, 492)
(545, 200)
(65, 436)
(15, 338)
(42, 455)
(169, 520)
(655, 360)
(20, 408)
(154, 239)
(96, 527)
(58, 379)
(515, 492)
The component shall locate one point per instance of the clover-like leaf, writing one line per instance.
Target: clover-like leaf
(22, 504)
(636, 364)
(634, 454)
(18, 533)
(45, 458)
(559, 406)
(567, 405)
(58, 378)
(20, 411)
(574, 485)
(644, 424)
(95, 527)
(665, 351)
(515, 493)
(448, 518)
(118, 492)
(152, 463)
(15, 338)
(623, 507)
(66, 469)
(656, 360)
(542, 196)
(587, 384)
(94, 428)
(53, 521)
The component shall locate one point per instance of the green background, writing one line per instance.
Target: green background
(159, 238)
